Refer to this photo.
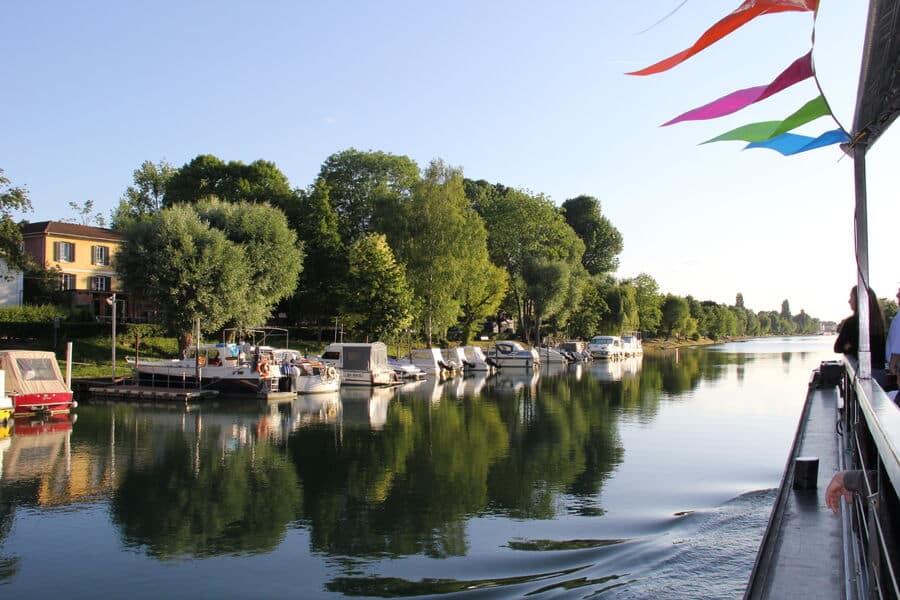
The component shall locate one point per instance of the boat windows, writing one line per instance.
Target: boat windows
(332, 355)
(356, 359)
(36, 369)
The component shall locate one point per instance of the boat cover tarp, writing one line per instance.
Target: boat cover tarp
(31, 372)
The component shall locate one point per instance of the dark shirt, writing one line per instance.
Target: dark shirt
(847, 341)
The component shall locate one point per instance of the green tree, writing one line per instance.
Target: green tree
(366, 188)
(785, 310)
(206, 175)
(739, 300)
(481, 293)
(11, 246)
(433, 237)
(649, 301)
(145, 196)
(675, 313)
(889, 308)
(325, 264)
(272, 251)
(522, 227)
(586, 320)
(186, 267)
(602, 241)
(547, 282)
(86, 214)
(380, 300)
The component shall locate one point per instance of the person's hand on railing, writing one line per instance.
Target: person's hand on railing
(843, 484)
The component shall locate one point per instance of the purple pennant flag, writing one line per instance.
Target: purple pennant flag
(799, 70)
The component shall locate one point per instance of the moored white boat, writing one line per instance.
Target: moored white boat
(34, 383)
(513, 354)
(432, 362)
(306, 376)
(229, 368)
(405, 370)
(606, 347)
(553, 355)
(364, 364)
(477, 361)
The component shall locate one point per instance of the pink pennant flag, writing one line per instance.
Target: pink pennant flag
(799, 70)
(743, 14)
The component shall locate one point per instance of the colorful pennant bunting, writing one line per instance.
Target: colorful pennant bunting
(758, 132)
(746, 12)
(789, 143)
(799, 70)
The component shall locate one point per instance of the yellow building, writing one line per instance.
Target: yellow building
(82, 256)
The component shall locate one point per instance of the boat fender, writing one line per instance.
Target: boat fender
(331, 372)
(262, 368)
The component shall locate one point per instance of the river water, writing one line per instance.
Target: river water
(645, 478)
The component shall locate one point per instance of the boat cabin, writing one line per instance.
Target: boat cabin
(360, 363)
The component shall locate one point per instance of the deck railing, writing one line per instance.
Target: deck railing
(870, 427)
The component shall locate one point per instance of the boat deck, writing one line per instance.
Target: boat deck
(802, 553)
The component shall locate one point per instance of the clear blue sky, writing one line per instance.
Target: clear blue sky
(528, 94)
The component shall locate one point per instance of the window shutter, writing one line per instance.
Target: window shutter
(95, 255)
(56, 251)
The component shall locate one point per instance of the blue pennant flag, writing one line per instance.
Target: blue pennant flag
(791, 143)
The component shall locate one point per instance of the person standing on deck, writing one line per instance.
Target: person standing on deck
(848, 335)
(892, 347)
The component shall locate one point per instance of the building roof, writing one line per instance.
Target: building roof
(70, 230)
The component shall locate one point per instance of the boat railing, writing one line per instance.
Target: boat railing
(869, 426)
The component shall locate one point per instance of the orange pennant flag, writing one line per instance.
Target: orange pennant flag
(746, 12)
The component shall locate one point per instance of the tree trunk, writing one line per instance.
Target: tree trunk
(185, 341)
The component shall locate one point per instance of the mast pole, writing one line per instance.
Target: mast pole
(862, 261)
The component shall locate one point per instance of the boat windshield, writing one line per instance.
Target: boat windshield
(602, 340)
(36, 369)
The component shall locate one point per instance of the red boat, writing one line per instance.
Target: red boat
(34, 383)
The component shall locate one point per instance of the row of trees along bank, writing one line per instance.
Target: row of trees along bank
(386, 248)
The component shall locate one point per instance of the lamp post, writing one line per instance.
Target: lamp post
(112, 302)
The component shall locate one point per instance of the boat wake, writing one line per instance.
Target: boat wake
(702, 554)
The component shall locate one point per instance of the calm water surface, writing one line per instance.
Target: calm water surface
(638, 479)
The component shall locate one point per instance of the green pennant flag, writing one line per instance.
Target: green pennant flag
(765, 130)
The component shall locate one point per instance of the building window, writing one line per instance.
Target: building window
(100, 284)
(66, 281)
(64, 251)
(100, 255)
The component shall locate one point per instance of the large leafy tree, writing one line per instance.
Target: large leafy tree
(379, 299)
(547, 285)
(481, 294)
(366, 187)
(602, 241)
(325, 265)
(522, 228)
(675, 315)
(649, 301)
(274, 255)
(12, 199)
(145, 196)
(440, 239)
(206, 175)
(189, 269)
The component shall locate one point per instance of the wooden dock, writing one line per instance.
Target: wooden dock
(137, 392)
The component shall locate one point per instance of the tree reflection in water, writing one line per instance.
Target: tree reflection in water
(517, 446)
